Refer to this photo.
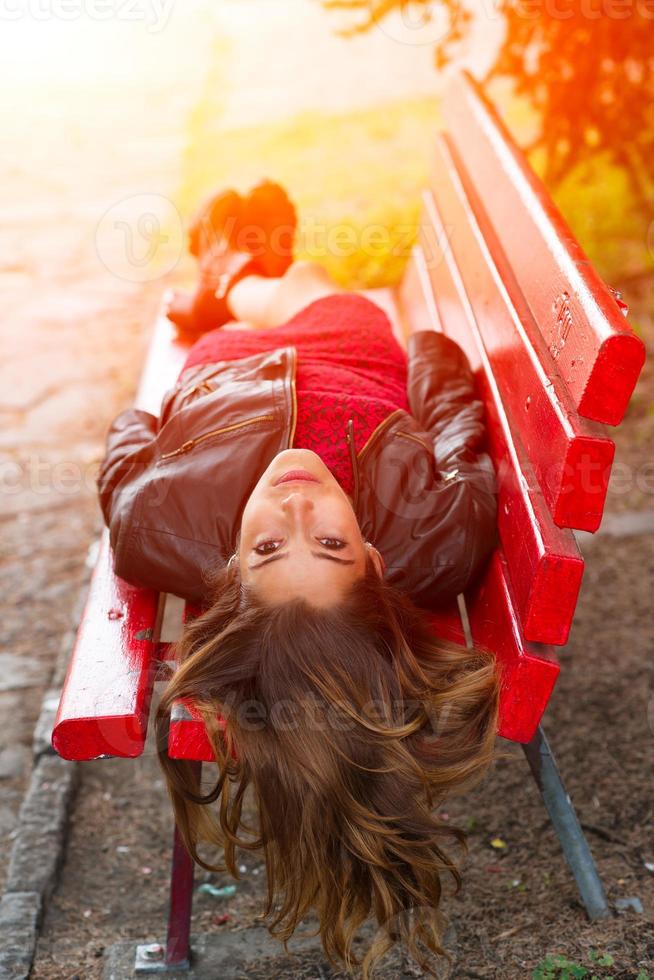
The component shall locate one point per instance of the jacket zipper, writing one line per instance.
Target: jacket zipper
(202, 386)
(190, 443)
(383, 425)
(356, 458)
(291, 431)
(349, 438)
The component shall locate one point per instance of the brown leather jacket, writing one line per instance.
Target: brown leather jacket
(172, 489)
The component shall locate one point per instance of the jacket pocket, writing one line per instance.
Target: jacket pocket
(187, 446)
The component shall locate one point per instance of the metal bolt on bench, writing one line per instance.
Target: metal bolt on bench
(555, 362)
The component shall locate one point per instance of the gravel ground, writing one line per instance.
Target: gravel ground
(515, 908)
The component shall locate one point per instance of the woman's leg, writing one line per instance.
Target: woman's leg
(262, 302)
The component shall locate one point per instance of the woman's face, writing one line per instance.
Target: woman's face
(299, 534)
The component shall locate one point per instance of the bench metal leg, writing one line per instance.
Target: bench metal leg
(181, 902)
(567, 827)
(176, 956)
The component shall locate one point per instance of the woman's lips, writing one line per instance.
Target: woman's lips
(293, 475)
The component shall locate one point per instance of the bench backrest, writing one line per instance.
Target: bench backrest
(498, 270)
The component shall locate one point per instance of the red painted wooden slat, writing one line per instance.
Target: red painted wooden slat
(106, 696)
(446, 622)
(418, 309)
(586, 336)
(187, 736)
(546, 566)
(166, 356)
(529, 672)
(571, 456)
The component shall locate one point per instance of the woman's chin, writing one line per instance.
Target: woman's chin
(300, 459)
(296, 453)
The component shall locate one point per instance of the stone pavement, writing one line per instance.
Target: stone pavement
(78, 302)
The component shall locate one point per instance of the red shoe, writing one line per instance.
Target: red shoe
(262, 224)
(269, 221)
(212, 237)
(206, 309)
(217, 220)
(233, 237)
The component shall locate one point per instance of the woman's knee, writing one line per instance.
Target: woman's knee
(306, 271)
(303, 282)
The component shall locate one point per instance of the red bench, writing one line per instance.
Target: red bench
(497, 269)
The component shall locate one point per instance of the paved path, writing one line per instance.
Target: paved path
(82, 143)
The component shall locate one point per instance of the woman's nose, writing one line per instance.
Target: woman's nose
(297, 503)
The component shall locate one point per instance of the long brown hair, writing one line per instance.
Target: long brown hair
(351, 724)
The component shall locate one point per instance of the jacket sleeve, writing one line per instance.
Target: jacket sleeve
(442, 398)
(127, 455)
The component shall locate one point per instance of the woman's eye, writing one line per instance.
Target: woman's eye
(266, 547)
(334, 544)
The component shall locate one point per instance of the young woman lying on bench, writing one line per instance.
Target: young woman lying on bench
(315, 489)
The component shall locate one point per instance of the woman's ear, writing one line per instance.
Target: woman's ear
(375, 557)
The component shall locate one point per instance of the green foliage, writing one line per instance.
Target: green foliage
(599, 204)
(586, 82)
(558, 967)
(600, 959)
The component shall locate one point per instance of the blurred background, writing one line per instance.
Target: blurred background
(118, 117)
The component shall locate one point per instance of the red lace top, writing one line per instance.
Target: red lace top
(349, 366)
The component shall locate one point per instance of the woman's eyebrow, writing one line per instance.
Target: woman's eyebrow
(326, 557)
(267, 561)
(316, 554)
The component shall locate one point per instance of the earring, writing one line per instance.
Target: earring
(230, 563)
